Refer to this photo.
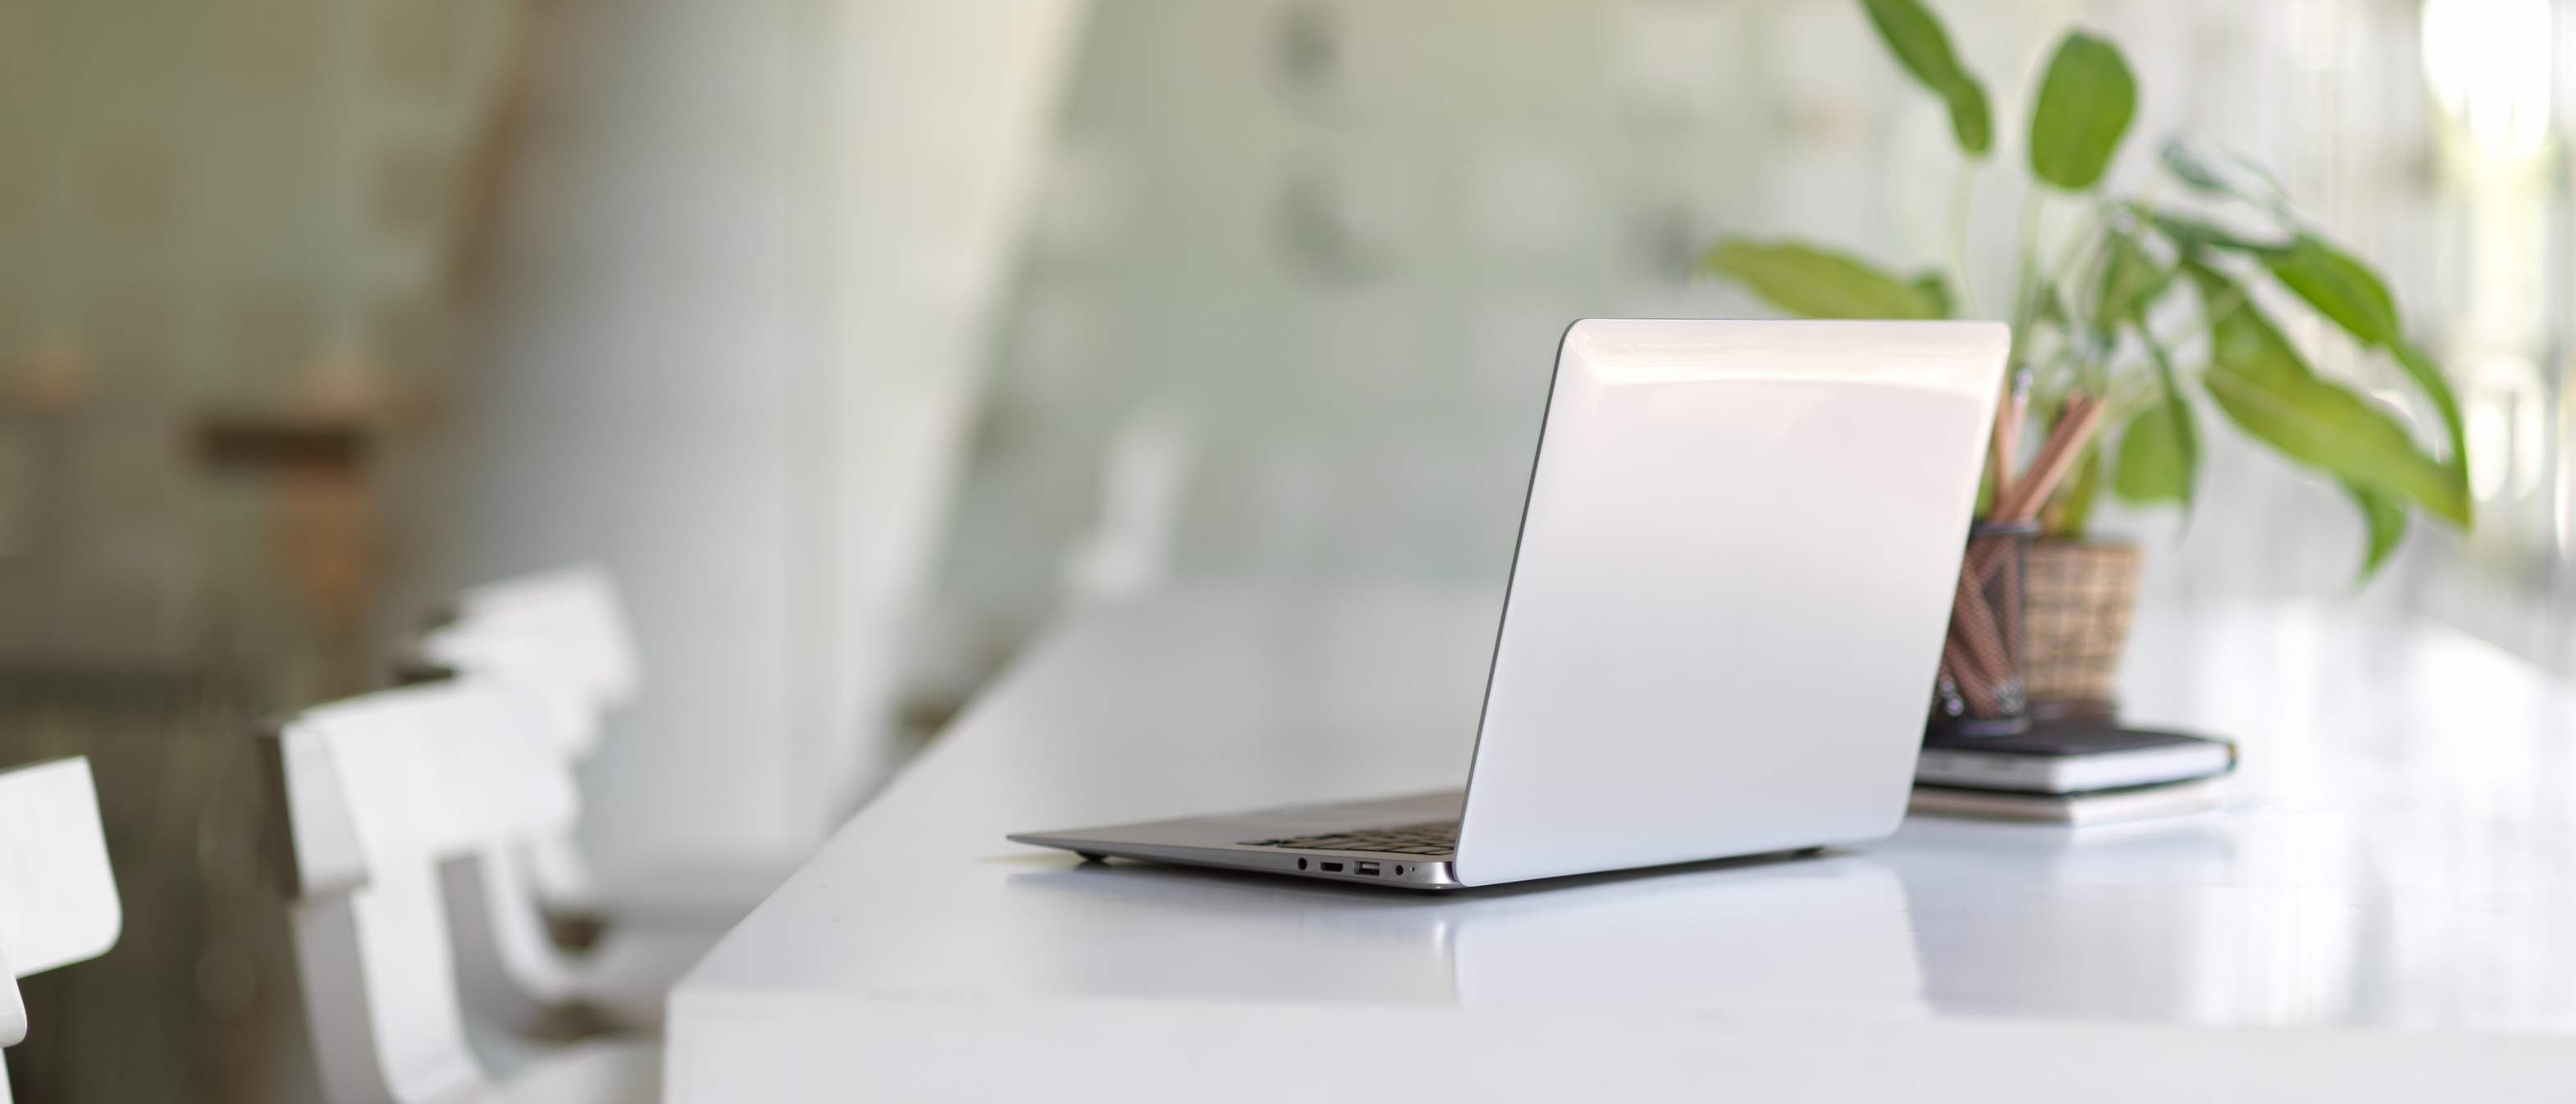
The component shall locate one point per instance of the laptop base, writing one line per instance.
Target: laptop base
(1219, 841)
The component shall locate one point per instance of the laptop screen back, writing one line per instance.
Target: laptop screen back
(1733, 580)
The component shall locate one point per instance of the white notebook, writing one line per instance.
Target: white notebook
(2098, 807)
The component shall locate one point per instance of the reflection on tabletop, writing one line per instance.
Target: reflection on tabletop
(1820, 934)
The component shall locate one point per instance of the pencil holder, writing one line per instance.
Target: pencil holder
(1982, 688)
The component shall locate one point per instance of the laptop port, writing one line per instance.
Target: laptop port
(1368, 868)
(1332, 868)
(1301, 864)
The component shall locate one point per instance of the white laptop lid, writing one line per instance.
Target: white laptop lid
(1734, 576)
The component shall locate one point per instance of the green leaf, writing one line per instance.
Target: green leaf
(1819, 283)
(2264, 386)
(2339, 287)
(2071, 508)
(2085, 103)
(2348, 292)
(2160, 451)
(2214, 171)
(2428, 376)
(2159, 458)
(1936, 289)
(2190, 233)
(2130, 279)
(1915, 36)
(2385, 515)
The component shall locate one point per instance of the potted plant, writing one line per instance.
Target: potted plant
(2126, 329)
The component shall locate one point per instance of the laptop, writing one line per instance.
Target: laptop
(1725, 614)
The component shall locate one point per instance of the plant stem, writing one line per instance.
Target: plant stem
(2026, 297)
(2173, 390)
(2075, 250)
(2163, 359)
(1962, 188)
(1999, 452)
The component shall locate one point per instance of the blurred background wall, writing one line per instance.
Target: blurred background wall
(231, 238)
(1289, 307)
(861, 338)
(732, 333)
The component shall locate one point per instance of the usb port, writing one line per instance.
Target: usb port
(1368, 868)
(1332, 868)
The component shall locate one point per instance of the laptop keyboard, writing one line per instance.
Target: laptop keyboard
(1439, 837)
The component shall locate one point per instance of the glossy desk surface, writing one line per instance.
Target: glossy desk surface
(2385, 910)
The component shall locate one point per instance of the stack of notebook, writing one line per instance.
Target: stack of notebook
(2071, 772)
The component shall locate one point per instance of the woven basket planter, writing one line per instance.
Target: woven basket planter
(2077, 610)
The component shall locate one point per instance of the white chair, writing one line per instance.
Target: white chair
(561, 634)
(379, 792)
(564, 636)
(512, 972)
(58, 902)
(561, 637)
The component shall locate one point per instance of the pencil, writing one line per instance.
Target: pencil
(2008, 421)
(2074, 426)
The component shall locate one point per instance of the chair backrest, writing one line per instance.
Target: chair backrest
(379, 790)
(58, 902)
(562, 633)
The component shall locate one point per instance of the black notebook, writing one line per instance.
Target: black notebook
(2096, 807)
(2071, 757)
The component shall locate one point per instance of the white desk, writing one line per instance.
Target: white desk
(2387, 911)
